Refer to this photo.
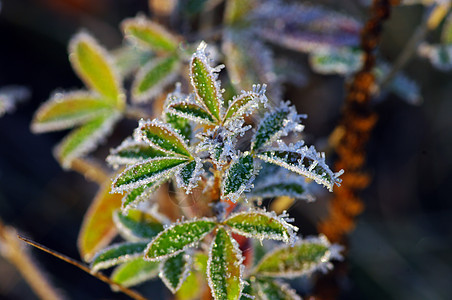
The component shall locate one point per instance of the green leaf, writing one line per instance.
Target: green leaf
(96, 68)
(163, 137)
(273, 290)
(85, 139)
(137, 225)
(182, 125)
(238, 178)
(135, 272)
(193, 286)
(204, 80)
(132, 152)
(189, 175)
(304, 161)
(344, 61)
(289, 189)
(275, 125)
(142, 193)
(224, 267)
(177, 238)
(117, 254)
(98, 228)
(154, 77)
(150, 171)
(149, 34)
(174, 270)
(246, 103)
(65, 110)
(191, 111)
(303, 258)
(262, 225)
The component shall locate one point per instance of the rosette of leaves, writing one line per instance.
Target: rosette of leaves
(93, 111)
(218, 158)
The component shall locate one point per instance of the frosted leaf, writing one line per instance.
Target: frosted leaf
(249, 61)
(132, 152)
(129, 58)
(262, 225)
(96, 68)
(224, 267)
(153, 77)
(190, 109)
(178, 237)
(246, 103)
(303, 161)
(85, 139)
(305, 257)
(10, 96)
(174, 270)
(65, 110)
(189, 175)
(268, 289)
(344, 60)
(440, 56)
(143, 192)
(162, 137)
(274, 181)
(194, 284)
(149, 171)
(238, 177)
(149, 34)
(117, 254)
(181, 125)
(135, 272)
(204, 81)
(275, 125)
(137, 225)
(304, 27)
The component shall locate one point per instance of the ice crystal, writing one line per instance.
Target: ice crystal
(10, 96)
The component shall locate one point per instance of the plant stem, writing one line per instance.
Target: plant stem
(410, 48)
(132, 294)
(12, 250)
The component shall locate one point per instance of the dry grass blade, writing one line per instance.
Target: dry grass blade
(132, 294)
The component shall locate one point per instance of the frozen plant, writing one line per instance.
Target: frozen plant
(216, 150)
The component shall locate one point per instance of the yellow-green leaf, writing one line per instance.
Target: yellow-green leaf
(273, 290)
(117, 254)
(135, 272)
(98, 228)
(237, 10)
(96, 68)
(154, 77)
(137, 225)
(65, 110)
(224, 269)
(85, 139)
(132, 152)
(149, 34)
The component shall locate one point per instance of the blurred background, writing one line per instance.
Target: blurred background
(402, 245)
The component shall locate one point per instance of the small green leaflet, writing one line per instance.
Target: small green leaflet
(203, 79)
(189, 175)
(238, 178)
(95, 67)
(117, 254)
(305, 257)
(162, 137)
(153, 77)
(177, 238)
(191, 111)
(224, 267)
(137, 225)
(174, 270)
(149, 34)
(142, 193)
(135, 272)
(273, 290)
(182, 125)
(262, 225)
(304, 161)
(84, 139)
(246, 103)
(275, 125)
(151, 170)
(65, 110)
(132, 152)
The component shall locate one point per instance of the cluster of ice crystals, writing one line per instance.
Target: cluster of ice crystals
(10, 96)
(116, 160)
